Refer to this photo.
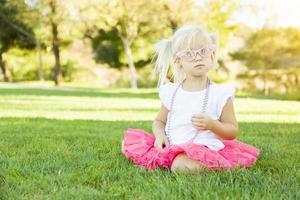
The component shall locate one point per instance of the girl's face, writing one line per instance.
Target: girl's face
(196, 61)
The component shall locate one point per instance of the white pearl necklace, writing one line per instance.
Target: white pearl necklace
(204, 105)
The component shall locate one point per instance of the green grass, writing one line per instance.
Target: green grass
(65, 144)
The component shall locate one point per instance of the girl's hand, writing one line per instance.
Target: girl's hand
(202, 122)
(161, 142)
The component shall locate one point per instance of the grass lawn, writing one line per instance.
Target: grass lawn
(65, 144)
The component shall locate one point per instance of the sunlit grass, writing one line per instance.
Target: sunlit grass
(65, 144)
(109, 104)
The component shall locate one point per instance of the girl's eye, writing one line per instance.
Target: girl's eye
(204, 51)
(188, 53)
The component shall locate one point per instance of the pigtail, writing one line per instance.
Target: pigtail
(215, 40)
(178, 73)
(163, 55)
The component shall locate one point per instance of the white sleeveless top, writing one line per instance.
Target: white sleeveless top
(188, 103)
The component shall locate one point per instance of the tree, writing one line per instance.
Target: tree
(107, 47)
(179, 12)
(271, 49)
(138, 24)
(14, 32)
(52, 14)
(132, 19)
(215, 15)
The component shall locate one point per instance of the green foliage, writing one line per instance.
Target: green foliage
(215, 17)
(133, 23)
(271, 49)
(68, 70)
(23, 66)
(272, 55)
(107, 47)
(147, 77)
(14, 32)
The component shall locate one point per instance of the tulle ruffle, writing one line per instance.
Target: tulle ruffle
(139, 148)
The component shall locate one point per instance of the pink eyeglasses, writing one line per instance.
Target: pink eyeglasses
(190, 55)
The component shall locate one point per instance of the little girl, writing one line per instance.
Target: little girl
(195, 128)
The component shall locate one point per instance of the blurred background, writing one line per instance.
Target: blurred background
(75, 74)
(110, 43)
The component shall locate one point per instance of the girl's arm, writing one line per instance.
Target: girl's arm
(159, 123)
(227, 128)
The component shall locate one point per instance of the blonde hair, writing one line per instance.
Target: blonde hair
(183, 37)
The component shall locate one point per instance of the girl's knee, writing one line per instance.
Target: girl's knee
(182, 163)
(123, 147)
(179, 163)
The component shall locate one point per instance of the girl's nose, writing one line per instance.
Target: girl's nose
(198, 56)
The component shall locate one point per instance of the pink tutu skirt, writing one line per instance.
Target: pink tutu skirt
(139, 148)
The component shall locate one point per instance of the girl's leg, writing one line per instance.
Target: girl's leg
(122, 147)
(182, 163)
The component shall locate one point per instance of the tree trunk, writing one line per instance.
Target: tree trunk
(265, 89)
(40, 69)
(286, 88)
(3, 67)
(130, 64)
(55, 43)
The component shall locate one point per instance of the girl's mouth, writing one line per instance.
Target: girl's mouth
(200, 66)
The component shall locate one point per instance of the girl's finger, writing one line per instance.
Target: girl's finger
(167, 143)
(157, 145)
(166, 140)
(158, 148)
(198, 116)
(196, 120)
(199, 127)
(198, 123)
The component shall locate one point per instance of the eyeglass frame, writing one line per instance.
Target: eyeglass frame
(211, 49)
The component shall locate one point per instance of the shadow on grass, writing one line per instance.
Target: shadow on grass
(117, 93)
(76, 93)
